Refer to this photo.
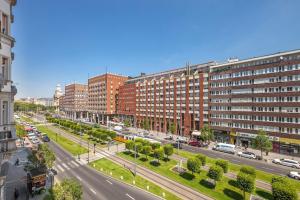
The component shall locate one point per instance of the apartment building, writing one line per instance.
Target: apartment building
(257, 93)
(7, 90)
(102, 96)
(177, 97)
(126, 102)
(75, 101)
(61, 105)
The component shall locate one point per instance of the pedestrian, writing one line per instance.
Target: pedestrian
(16, 193)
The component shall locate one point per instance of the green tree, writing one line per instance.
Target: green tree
(155, 145)
(129, 145)
(246, 183)
(207, 133)
(48, 156)
(172, 128)
(127, 123)
(223, 164)
(138, 147)
(262, 142)
(248, 170)
(159, 154)
(68, 189)
(193, 164)
(282, 188)
(146, 124)
(216, 173)
(147, 151)
(168, 150)
(202, 159)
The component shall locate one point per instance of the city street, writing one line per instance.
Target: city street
(95, 185)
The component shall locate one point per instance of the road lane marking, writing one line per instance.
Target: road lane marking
(58, 159)
(78, 178)
(109, 182)
(236, 160)
(93, 191)
(267, 168)
(66, 166)
(130, 196)
(60, 168)
(75, 163)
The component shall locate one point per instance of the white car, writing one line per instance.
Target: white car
(287, 162)
(35, 141)
(294, 175)
(246, 154)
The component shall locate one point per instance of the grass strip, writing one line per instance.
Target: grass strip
(260, 175)
(117, 171)
(67, 144)
(225, 190)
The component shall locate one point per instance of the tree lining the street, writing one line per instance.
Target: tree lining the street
(262, 142)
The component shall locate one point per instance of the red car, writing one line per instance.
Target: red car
(194, 143)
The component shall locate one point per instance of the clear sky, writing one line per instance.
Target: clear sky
(65, 41)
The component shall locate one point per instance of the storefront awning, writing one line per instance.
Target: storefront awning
(289, 140)
(196, 133)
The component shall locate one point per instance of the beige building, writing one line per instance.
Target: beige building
(7, 90)
(75, 101)
(102, 96)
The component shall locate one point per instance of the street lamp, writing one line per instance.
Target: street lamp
(88, 158)
(134, 156)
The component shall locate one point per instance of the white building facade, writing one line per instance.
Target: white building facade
(7, 90)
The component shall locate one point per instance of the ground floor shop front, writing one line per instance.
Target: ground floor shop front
(284, 146)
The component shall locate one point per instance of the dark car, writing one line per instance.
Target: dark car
(46, 139)
(175, 145)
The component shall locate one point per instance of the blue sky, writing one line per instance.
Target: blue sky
(65, 41)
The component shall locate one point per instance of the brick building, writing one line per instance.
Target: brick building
(257, 93)
(177, 97)
(126, 102)
(75, 101)
(102, 96)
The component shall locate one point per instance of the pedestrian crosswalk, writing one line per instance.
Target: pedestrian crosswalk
(62, 166)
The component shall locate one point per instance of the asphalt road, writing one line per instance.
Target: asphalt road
(95, 185)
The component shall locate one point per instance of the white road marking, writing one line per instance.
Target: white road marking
(93, 191)
(267, 168)
(66, 166)
(58, 159)
(60, 168)
(78, 178)
(109, 182)
(236, 160)
(75, 163)
(130, 196)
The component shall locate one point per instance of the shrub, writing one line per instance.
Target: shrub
(223, 164)
(193, 164)
(159, 154)
(155, 146)
(129, 145)
(248, 170)
(147, 150)
(215, 172)
(245, 182)
(138, 147)
(168, 150)
(202, 159)
(283, 191)
(280, 179)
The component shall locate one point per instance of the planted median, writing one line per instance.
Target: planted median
(125, 175)
(64, 142)
(191, 176)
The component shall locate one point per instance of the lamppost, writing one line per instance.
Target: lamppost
(134, 156)
(79, 144)
(88, 158)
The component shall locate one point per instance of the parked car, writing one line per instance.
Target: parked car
(175, 145)
(246, 154)
(35, 141)
(227, 148)
(45, 138)
(287, 162)
(294, 175)
(194, 143)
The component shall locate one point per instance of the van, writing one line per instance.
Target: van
(227, 148)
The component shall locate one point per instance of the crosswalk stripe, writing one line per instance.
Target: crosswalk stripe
(60, 168)
(75, 163)
(66, 166)
(58, 159)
